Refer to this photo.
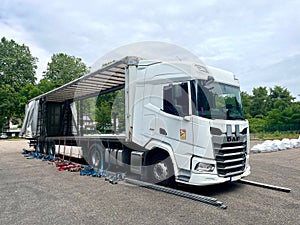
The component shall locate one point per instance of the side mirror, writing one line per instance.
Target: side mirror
(210, 80)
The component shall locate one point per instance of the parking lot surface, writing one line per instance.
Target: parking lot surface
(33, 192)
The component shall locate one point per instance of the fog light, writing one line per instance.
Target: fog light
(204, 167)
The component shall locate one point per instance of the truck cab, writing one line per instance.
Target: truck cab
(194, 114)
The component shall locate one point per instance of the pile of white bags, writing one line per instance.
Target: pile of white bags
(276, 145)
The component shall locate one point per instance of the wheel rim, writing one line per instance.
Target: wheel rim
(160, 171)
(52, 149)
(96, 158)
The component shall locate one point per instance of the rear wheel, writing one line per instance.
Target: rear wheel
(97, 156)
(41, 147)
(52, 148)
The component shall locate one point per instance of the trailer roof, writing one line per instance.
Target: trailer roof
(103, 80)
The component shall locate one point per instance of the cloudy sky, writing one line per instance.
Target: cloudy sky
(258, 40)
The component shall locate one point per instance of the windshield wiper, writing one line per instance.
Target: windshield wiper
(236, 116)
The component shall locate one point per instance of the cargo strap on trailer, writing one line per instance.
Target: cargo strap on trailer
(111, 177)
(60, 163)
(35, 155)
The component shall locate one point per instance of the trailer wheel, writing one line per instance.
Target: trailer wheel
(52, 148)
(41, 147)
(97, 156)
(161, 170)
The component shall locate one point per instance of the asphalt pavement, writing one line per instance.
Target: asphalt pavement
(33, 192)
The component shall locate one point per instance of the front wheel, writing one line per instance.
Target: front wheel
(161, 170)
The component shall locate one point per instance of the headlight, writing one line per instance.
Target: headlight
(204, 167)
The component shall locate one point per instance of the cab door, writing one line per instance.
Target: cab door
(174, 123)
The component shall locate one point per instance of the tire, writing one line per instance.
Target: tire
(161, 170)
(41, 147)
(52, 148)
(96, 158)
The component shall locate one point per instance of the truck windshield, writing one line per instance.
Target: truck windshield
(216, 100)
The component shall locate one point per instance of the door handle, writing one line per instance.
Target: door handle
(163, 131)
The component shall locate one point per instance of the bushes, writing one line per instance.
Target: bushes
(257, 125)
(272, 111)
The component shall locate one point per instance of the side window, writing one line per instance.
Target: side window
(202, 99)
(176, 100)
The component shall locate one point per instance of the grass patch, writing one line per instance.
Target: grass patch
(276, 135)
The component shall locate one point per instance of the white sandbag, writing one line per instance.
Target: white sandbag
(295, 143)
(275, 145)
(257, 148)
(280, 145)
(286, 142)
(270, 146)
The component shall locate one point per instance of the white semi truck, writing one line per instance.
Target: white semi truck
(180, 122)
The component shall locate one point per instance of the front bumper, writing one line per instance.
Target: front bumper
(202, 179)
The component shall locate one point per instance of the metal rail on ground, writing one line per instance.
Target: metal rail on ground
(195, 197)
(268, 186)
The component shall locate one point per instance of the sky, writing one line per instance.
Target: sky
(258, 40)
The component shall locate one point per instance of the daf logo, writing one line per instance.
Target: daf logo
(232, 139)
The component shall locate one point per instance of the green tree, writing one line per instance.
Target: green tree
(284, 119)
(17, 69)
(17, 65)
(246, 100)
(26, 93)
(274, 120)
(292, 114)
(103, 115)
(258, 106)
(257, 125)
(273, 111)
(45, 85)
(64, 68)
(107, 105)
(279, 98)
(118, 109)
(7, 104)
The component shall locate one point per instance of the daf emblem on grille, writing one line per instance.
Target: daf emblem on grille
(232, 139)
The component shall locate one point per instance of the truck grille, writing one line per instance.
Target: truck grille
(230, 158)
